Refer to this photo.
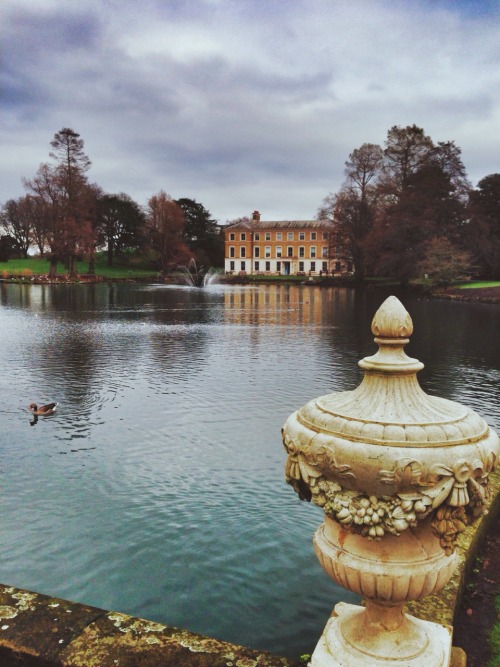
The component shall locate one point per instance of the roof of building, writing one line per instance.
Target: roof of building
(260, 225)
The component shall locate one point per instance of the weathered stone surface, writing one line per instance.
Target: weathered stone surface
(40, 631)
(39, 626)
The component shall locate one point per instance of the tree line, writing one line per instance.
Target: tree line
(66, 218)
(408, 210)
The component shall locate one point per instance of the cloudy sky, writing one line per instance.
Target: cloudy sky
(243, 104)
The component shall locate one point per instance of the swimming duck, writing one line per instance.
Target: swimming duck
(43, 410)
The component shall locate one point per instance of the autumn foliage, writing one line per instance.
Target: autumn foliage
(407, 207)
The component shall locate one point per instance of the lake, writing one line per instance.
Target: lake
(158, 487)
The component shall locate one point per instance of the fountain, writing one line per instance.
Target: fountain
(197, 276)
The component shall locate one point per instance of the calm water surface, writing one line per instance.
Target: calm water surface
(158, 488)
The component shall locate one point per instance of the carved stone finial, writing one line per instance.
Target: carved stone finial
(391, 325)
(392, 320)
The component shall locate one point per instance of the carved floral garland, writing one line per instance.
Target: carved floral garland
(458, 493)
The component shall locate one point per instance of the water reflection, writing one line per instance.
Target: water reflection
(158, 488)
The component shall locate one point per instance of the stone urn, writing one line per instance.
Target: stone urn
(399, 475)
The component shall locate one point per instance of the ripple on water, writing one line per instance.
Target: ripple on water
(158, 488)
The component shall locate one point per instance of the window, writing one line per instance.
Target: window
(302, 251)
(337, 266)
(268, 250)
(256, 251)
(313, 251)
(289, 236)
(268, 266)
(257, 236)
(243, 266)
(278, 267)
(232, 252)
(257, 265)
(313, 266)
(302, 236)
(301, 267)
(324, 251)
(231, 266)
(268, 236)
(243, 236)
(324, 267)
(313, 236)
(231, 236)
(279, 236)
(289, 251)
(243, 251)
(325, 236)
(279, 250)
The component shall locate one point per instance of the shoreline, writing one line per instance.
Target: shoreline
(490, 295)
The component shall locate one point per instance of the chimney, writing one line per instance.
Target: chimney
(255, 216)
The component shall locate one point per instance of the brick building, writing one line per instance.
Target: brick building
(284, 247)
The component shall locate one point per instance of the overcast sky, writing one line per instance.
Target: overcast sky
(243, 104)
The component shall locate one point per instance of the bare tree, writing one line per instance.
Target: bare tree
(353, 208)
(66, 201)
(165, 226)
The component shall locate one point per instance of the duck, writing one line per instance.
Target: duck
(43, 410)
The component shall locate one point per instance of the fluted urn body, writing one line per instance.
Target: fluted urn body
(399, 475)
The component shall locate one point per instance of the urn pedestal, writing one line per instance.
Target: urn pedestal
(399, 475)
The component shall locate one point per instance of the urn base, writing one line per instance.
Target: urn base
(350, 639)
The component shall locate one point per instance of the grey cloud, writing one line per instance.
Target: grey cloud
(240, 105)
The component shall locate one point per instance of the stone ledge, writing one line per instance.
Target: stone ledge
(41, 631)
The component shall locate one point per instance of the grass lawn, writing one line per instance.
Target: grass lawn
(477, 284)
(37, 266)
